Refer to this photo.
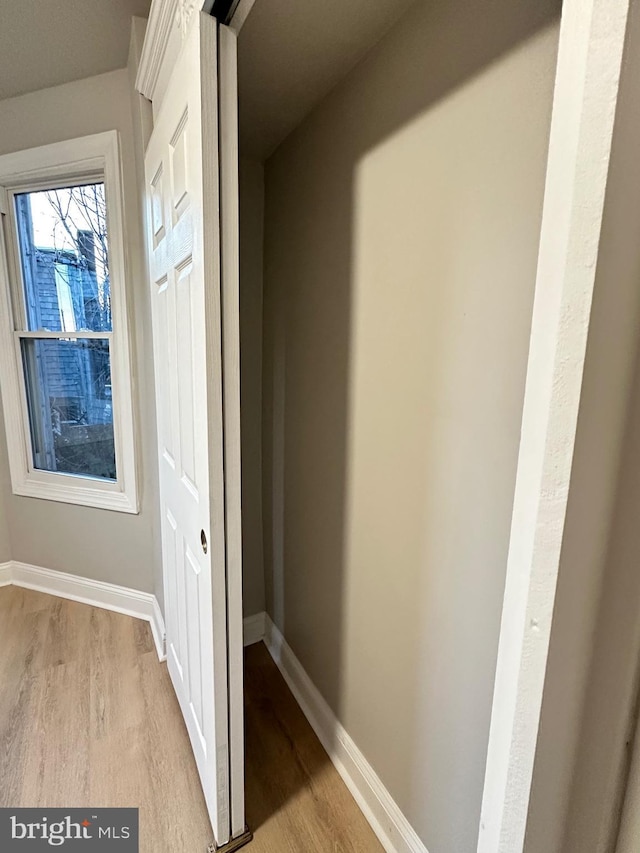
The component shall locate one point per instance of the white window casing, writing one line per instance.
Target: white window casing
(47, 167)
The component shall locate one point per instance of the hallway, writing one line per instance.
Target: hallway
(88, 717)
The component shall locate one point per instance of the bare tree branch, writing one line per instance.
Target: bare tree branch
(90, 214)
(83, 209)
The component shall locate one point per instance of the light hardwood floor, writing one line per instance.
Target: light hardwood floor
(88, 718)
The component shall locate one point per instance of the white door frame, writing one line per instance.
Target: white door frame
(592, 40)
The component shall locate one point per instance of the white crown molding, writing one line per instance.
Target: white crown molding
(184, 13)
(162, 19)
(108, 596)
(165, 17)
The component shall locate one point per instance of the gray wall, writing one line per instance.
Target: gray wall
(251, 272)
(401, 233)
(5, 487)
(94, 543)
(110, 546)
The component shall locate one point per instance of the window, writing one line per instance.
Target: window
(64, 360)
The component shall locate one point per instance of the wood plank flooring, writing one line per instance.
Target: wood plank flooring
(88, 717)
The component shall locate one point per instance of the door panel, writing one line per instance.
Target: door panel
(182, 182)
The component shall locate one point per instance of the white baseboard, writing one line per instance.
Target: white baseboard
(253, 628)
(121, 599)
(156, 622)
(387, 821)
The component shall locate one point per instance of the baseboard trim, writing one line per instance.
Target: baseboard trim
(253, 628)
(158, 629)
(393, 830)
(120, 599)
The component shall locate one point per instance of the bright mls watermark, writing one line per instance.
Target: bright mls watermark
(35, 830)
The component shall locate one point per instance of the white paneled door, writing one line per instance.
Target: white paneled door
(182, 180)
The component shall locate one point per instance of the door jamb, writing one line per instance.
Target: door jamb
(592, 38)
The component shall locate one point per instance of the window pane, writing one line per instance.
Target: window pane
(70, 412)
(62, 236)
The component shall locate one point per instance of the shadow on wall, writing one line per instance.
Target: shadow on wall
(401, 235)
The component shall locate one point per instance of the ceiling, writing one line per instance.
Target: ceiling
(44, 44)
(293, 52)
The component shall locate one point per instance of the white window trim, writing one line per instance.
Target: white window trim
(39, 168)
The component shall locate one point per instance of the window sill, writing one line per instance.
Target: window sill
(107, 496)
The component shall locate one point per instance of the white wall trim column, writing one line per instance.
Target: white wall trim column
(590, 54)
